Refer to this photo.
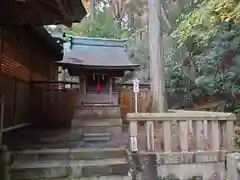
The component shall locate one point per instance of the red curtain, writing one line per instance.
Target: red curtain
(98, 84)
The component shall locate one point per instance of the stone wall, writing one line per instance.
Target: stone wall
(182, 166)
(202, 140)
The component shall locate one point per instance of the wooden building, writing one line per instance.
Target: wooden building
(27, 54)
(97, 62)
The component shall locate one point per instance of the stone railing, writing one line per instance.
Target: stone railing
(191, 130)
(184, 143)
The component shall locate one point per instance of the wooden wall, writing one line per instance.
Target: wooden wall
(22, 59)
(127, 104)
(53, 107)
(127, 97)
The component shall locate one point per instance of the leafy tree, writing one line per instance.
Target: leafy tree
(102, 26)
(210, 35)
(201, 44)
(201, 49)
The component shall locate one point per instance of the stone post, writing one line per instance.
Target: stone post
(233, 162)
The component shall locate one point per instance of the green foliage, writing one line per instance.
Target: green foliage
(236, 138)
(206, 35)
(204, 32)
(103, 25)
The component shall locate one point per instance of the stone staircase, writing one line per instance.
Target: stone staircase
(70, 164)
(97, 122)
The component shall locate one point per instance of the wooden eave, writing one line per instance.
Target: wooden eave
(76, 71)
(97, 68)
(50, 42)
(41, 12)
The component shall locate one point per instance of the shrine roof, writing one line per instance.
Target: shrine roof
(41, 12)
(98, 53)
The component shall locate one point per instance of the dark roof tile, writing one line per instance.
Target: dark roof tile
(98, 52)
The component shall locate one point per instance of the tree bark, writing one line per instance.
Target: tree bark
(156, 57)
(92, 9)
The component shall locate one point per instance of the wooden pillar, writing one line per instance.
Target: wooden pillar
(1, 118)
(80, 85)
(84, 85)
(110, 89)
(14, 102)
(82, 82)
(62, 78)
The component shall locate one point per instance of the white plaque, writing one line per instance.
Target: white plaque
(136, 85)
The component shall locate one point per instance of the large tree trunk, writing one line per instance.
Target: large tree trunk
(92, 9)
(156, 57)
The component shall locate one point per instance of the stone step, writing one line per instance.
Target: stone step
(112, 126)
(77, 122)
(97, 137)
(111, 177)
(67, 154)
(73, 169)
(97, 112)
(107, 178)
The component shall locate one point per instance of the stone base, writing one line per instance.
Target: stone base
(182, 166)
(91, 137)
(210, 171)
(97, 111)
(113, 127)
(96, 120)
